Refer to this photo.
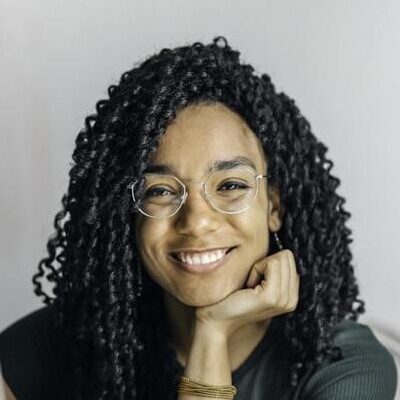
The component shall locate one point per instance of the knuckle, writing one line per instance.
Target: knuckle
(292, 306)
(293, 303)
(283, 307)
(288, 253)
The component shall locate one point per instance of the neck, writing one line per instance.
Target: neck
(180, 321)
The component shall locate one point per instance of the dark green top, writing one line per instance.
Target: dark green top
(35, 364)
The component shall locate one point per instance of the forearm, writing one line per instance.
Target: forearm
(208, 359)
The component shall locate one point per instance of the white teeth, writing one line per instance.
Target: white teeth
(201, 258)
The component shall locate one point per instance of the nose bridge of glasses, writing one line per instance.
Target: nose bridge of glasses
(202, 193)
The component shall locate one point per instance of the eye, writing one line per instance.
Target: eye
(232, 185)
(158, 192)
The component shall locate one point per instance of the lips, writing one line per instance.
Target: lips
(201, 261)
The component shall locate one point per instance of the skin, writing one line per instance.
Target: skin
(228, 310)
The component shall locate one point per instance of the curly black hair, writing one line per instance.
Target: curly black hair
(113, 312)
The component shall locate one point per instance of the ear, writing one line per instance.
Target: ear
(275, 209)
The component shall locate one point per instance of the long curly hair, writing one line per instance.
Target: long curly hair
(105, 302)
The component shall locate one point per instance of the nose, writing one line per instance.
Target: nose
(196, 216)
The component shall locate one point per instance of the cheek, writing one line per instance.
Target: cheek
(150, 237)
(255, 220)
(149, 244)
(255, 229)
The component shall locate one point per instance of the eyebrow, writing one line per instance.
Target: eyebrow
(219, 165)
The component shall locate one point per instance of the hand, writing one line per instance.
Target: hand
(272, 288)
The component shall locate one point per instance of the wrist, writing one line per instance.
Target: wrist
(209, 332)
(208, 359)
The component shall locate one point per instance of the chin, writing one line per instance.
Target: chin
(201, 298)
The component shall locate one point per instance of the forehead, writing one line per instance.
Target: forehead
(204, 134)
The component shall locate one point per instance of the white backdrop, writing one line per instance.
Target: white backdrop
(339, 60)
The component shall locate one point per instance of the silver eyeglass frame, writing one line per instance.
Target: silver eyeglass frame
(205, 195)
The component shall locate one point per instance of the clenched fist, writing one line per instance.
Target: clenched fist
(272, 289)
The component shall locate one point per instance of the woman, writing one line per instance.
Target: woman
(202, 250)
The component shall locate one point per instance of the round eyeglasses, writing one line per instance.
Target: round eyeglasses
(229, 191)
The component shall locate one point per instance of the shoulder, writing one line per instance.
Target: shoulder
(33, 355)
(35, 319)
(367, 370)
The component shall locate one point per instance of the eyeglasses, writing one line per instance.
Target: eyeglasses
(229, 191)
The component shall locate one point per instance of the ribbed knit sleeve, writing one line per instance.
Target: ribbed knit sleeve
(367, 371)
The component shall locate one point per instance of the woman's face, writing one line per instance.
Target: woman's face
(200, 136)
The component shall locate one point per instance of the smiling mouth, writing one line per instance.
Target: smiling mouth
(201, 258)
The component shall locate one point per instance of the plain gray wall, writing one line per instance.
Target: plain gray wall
(340, 61)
